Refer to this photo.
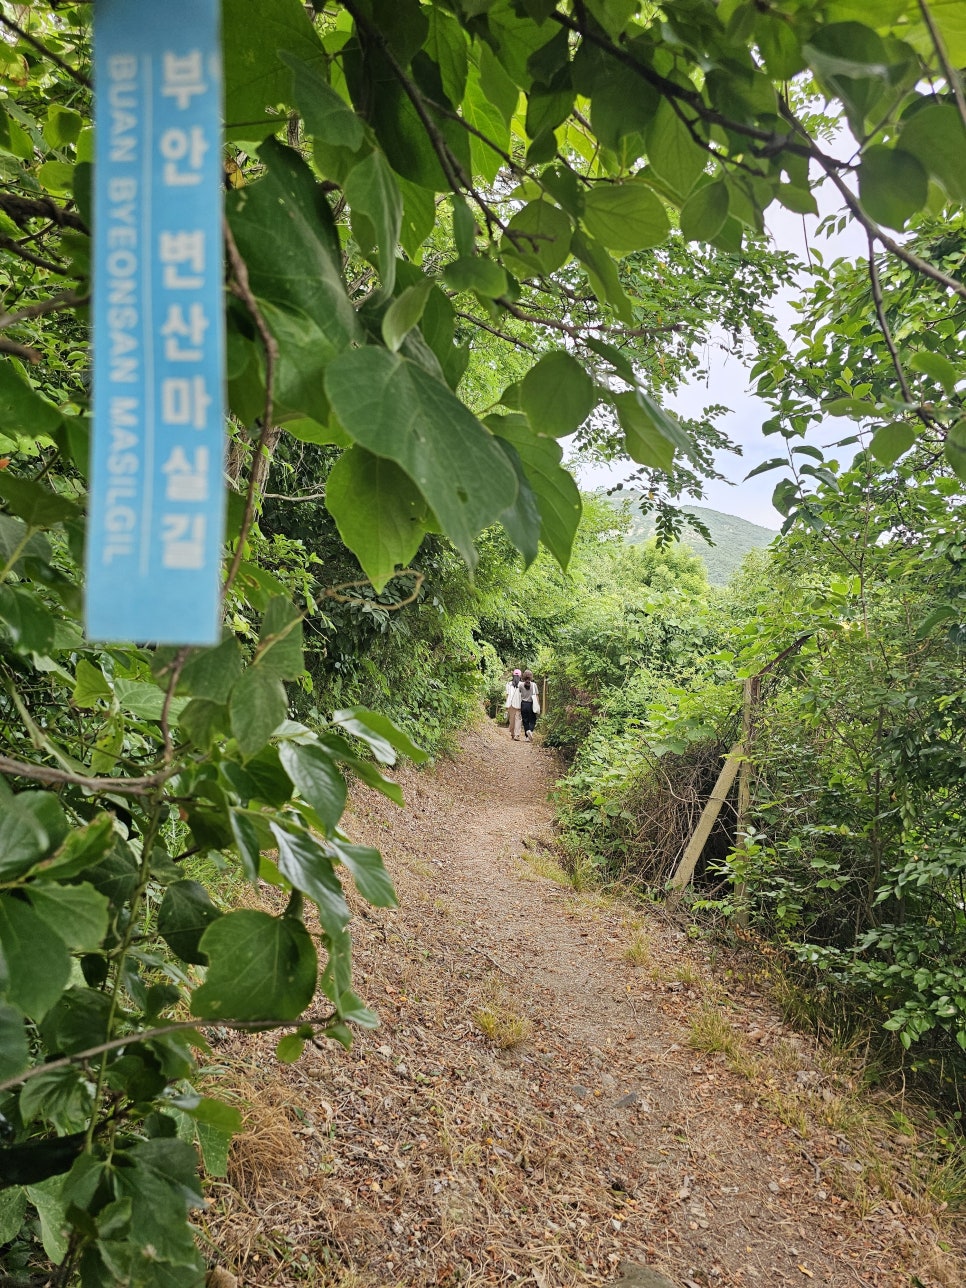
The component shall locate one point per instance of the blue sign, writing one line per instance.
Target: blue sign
(155, 527)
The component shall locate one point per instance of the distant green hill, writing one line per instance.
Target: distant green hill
(732, 537)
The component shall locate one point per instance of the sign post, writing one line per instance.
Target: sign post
(155, 528)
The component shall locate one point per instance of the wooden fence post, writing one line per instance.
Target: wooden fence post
(709, 816)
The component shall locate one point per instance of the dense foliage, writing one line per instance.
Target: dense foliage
(403, 178)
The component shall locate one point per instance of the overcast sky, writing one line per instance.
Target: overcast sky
(727, 383)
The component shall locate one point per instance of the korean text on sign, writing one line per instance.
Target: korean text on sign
(156, 521)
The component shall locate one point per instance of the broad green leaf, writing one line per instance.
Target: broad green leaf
(418, 218)
(82, 847)
(705, 211)
(373, 195)
(185, 914)
(956, 449)
(53, 1216)
(160, 1178)
(310, 431)
(486, 112)
(32, 825)
(257, 707)
(938, 368)
(260, 967)
(326, 114)
(279, 649)
(643, 439)
(255, 41)
(309, 867)
(447, 47)
(22, 409)
(90, 686)
(145, 700)
(383, 738)
(380, 514)
(289, 1048)
(936, 137)
(625, 217)
(941, 613)
(294, 261)
(37, 505)
(317, 777)
(78, 914)
(14, 1058)
(476, 274)
(404, 313)
(557, 497)
(521, 520)
(393, 408)
(892, 185)
(557, 395)
(602, 275)
(16, 544)
(778, 44)
(622, 105)
(204, 721)
(36, 958)
(672, 152)
(210, 673)
(368, 872)
(214, 1145)
(537, 238)
(13, 1205)
(25, 621)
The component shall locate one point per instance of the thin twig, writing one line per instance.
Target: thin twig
(148, 1035)
(949, 71)
(335, 592)
(8, 243)
(885, 329)
(21, 351)
(47, 774)
(500, 335)
(47, 53)
(241, 287)
(66, 300)
(177, 666)
(282, 496)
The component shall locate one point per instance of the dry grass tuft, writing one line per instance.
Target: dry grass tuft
(711, 1031)
(498, 1019)
(638, 951)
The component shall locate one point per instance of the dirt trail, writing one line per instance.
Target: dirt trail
(429, 1155)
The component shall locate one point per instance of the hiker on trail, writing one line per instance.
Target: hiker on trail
(512, 705)
(529, 704)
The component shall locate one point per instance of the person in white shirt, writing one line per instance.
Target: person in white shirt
(529, 704)
(512, 705)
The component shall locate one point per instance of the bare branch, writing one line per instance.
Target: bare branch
(22, 209)
(41, 48)
(66, 300)
(335, 592)
(241, 287)
(47, 774)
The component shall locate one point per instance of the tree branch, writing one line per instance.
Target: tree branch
(241, 287)
(66, 300)
(41, 48)
(22, 209)
(47, 774)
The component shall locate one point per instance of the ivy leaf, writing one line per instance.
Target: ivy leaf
(704, 212)
(256, 708)
(392, 407)
(383, 738)
(380, 514)
(309, 867)
(78, 914)
(557, 395)
(626, 217)
(259, 968)
(37, 960)
(317, 777)
(368, 872)
(185, 914)
(893, 186)
(373, 195)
